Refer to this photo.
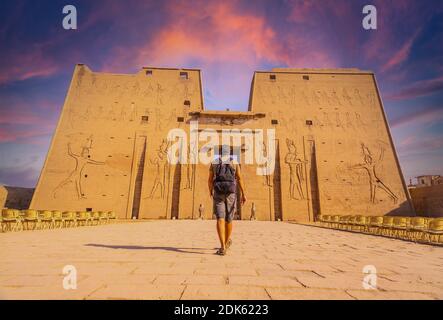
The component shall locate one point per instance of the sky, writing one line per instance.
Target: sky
(228, 41)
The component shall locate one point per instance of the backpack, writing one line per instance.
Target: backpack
(224, 181)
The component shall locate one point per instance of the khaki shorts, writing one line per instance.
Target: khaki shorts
(225, 206)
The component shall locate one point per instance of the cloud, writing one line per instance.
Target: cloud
(418, 89)
(225, 40)
(19, 176)
(401, 55)
(23, 122)
(419, 118)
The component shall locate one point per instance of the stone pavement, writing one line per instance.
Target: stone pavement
(176, 260)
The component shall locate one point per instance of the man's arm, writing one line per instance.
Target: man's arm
(211, 180)
(241, 184)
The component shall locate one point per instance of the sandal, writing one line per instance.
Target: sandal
(221, 252)
(228, 244)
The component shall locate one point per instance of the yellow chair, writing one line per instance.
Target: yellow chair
(323, 220)
(58, 218)
(11, 219)
(388, 223)
(69, 219)
(46, 218)
(351, 223)
(111, 215)
(400, 227)
(95, 216)
(21, 214)
(335, 221)
(360, 223)
(343, 222)
(103, 216)
(375, 224)
(83, 218)
(1, 223)
(434, 233)
(31, 217)
(417, 228)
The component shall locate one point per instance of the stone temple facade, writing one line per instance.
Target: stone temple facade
(333, 150)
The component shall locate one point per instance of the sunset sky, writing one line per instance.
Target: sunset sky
(228, 41)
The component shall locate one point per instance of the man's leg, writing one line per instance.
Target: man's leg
(231, 209)
(228, 231)
(221, 232)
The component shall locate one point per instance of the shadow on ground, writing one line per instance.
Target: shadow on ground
(181, 250)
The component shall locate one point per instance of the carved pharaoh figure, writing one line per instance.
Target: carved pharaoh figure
(296, 175)
(76, 175)
(370, 166)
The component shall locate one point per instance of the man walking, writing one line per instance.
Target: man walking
(224, 175)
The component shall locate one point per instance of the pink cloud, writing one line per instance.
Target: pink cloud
(401, 55)
(222, 40)
(34, 62)
(418, 89)
(419, 118)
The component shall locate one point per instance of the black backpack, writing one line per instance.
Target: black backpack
(224, 181)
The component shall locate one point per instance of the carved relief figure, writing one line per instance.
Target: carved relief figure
(295, 171)
(190, 167)
(335, 99)
(370, 166)
(346, 97)
(77, 173)
(160, 91)
(267, 181)
(358, 97)
(161, 164)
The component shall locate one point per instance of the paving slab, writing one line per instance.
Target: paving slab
(176, 260)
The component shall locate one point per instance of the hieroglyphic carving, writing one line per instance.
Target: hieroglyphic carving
(296, 176)
(161, 163)
(370, 166)
(76, 174)
(334, 99)
(346, 97)
(358, 97)
(338, 121)
(267, 179)
(190, 167)
(159, 91)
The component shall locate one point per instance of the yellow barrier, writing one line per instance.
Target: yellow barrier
(16, 220)
(418, 229)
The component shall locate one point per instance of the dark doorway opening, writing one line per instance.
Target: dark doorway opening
(140, 154)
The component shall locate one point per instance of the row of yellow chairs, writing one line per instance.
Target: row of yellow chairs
(16, 220)
(419, 229)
